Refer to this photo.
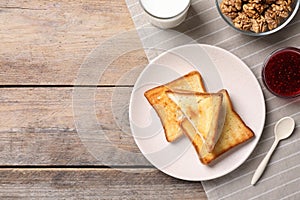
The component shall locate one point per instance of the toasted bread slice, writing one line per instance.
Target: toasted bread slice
(168, 112)
(234, 132)
(206, 111)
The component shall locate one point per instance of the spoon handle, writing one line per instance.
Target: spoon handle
(260, 169)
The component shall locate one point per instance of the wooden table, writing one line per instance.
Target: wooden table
(43, 45)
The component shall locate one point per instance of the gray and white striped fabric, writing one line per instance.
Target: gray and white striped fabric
(281, 180)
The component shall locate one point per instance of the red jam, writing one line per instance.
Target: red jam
(281, 73)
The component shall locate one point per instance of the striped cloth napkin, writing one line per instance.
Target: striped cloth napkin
(281, 180)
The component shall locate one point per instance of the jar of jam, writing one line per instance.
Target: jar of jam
(281, 72)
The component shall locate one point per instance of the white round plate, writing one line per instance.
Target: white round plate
(219, 69)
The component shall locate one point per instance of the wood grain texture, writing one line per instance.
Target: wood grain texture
(94, 184)
(45, 42)
(38, 127)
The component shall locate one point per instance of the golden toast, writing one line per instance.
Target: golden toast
(234, 132)
(169, 112)
(206, 112)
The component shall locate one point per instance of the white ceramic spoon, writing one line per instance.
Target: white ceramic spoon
(283, 129)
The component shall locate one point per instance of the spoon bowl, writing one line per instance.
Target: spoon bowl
(283, 129)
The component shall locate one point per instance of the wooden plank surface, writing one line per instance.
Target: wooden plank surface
(38, 127)
(45, 42)
(94, 184)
